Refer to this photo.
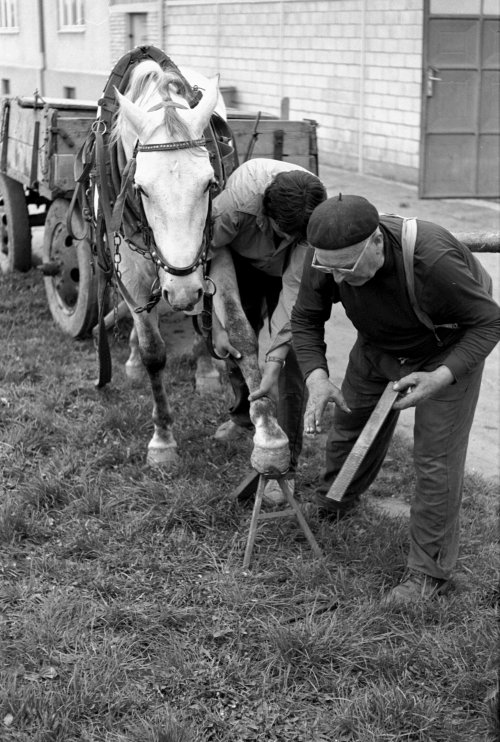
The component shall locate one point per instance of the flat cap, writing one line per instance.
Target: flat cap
(341, 221)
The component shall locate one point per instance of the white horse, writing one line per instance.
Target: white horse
(163, 138)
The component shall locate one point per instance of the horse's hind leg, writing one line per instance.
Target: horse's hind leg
(162, 448)
(271, 452)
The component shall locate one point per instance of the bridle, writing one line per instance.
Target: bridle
(147, 233)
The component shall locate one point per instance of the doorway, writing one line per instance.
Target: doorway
(137, 29)
(461, 102)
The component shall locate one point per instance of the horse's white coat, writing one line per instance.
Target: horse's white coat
(175, 183)
(175, 198)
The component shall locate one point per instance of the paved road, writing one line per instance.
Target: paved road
(457, 216)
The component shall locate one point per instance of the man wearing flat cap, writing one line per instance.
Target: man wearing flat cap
(431, 343)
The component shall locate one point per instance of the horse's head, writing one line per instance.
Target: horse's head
(173, 181)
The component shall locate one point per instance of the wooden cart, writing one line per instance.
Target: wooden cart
(39, 142)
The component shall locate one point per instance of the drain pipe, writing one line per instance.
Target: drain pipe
(41, 40)
(161, 21)
(361, 122)
(281, 43)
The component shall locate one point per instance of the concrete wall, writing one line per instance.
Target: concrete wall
(339, 62)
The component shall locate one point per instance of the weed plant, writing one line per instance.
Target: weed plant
(127, 616)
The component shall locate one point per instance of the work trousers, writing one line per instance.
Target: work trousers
(441, 434)
(259, 294)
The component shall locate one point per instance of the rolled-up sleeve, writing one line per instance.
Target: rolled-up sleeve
(309, 314)
(225, 219)
(281, 330)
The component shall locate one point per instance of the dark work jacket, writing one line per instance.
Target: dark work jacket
(449, 287)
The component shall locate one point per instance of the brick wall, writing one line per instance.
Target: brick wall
(352, 65)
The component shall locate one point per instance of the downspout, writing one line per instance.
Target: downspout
(281, 32)
(218, 36)
(41, 40)
(361, 122)
(161, 21)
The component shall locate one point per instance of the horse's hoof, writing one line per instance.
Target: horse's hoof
(271, 461)
(165, 457)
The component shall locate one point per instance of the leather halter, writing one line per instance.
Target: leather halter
(128, 175)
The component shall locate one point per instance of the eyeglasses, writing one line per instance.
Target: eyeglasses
(333, 269)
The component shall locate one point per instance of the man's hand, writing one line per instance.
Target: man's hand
(221, 342)
(421, 385)
(269, 383)
(321, 391)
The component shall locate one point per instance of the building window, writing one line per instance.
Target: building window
(71, 14)
(5, 86)
(69, 92)
(8, 14)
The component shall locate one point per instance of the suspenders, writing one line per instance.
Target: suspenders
(408, 239)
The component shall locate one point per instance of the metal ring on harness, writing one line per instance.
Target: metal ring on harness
(99, 127)
(214, 287)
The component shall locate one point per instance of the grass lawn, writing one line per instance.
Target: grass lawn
(127, 616)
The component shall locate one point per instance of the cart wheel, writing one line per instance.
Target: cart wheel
(70, 284)
(15, 234)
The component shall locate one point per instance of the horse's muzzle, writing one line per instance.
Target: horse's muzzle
(183, 305)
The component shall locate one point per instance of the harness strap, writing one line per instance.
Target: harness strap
(168, 146)
(105, 261)
(127, 179)
(408, 240)
(87, 163)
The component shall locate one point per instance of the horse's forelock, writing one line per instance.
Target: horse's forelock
(146, 80)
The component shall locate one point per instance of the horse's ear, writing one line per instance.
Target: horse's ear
(135, 116)
(200, 115)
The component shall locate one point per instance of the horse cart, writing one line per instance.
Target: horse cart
(41, 155)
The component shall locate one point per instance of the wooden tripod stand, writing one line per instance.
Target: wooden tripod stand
(257, 516)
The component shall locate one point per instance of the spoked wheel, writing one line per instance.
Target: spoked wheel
(70, 285)
(15, 233)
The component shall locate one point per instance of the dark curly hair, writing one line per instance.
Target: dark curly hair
(291, 198)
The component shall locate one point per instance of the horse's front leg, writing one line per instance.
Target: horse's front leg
(271, 453)
(134, 367)
(162, 448)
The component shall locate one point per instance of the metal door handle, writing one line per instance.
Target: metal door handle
(431, 78)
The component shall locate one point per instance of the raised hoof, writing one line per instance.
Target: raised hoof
(164, 457)
(271, 461)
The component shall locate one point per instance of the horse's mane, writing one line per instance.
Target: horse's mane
(147, 80)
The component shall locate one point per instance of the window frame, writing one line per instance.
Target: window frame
(71, 16)
(9, 16)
